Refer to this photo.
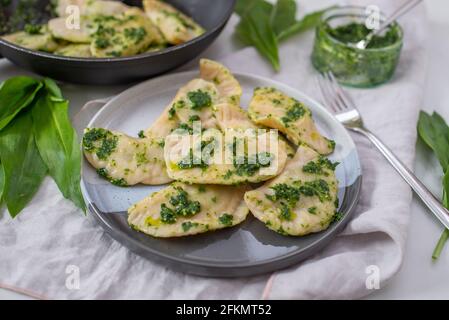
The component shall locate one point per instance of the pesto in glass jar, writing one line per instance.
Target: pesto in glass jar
(334, 49)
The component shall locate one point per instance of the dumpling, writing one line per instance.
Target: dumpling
(227, 85)
(193, 102)
(238, 156)
(59, 29)
(124, 160)
(272, 108)
(181, 210)
(91, 7)
(203, 100)
(123, 35)
(175, 26)
(37, 39)
(302, 200)
(75, 50)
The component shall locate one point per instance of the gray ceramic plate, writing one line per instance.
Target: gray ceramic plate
(247, 249)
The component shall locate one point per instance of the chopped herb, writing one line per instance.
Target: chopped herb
(194, 118)
(318, 166)
(248, 166)
(183, 206)
(294, 113)
(228, 175)
(199, 99)
(285, 213)
(167, 215)
(101, 141)
(186, 226)
(171, 113)
(161, 143)
(135, 34)
(337, 216)
(201, 188)
(33, 29)
(318, 188)
(214, 199)
(117, 182)
(331, 144)
(141, 134)
(312, 210)
(226, 219)
(285, 192)
(102, 43)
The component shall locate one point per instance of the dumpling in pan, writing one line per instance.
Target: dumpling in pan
(90, 7)
(182, 209)
(60, 30)
(176, 27)
(38, 38)
(302, 200)
(272, 108)
(124, 35)
(124, 160)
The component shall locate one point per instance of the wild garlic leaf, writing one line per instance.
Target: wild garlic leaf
(2, 182)
(242, 7)
(16, 94)
(308, 22)
(283, 16)
(24, 169)
(434, 131)
(57, 142)
(255, 29)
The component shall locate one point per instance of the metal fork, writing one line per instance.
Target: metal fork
(347, 114)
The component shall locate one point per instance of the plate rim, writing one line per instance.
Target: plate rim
(213, 268)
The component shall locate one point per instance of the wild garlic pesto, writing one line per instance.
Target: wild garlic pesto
(334, 49)
(182, 209)
(274, 109)
(297, 202)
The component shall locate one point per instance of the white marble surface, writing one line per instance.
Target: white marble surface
(419, 278)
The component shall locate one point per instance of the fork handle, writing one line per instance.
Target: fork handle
(420, 189)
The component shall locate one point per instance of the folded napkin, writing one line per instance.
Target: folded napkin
(50, 243)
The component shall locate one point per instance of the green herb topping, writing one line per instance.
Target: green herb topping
(182, 207)
(318, 167)
(101, 141)
(186, 226)
(294, 113)
(318, 188)
(248, 166)
(199, 99)
(226, 219)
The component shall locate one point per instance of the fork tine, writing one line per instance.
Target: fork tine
(332, 94)
(327, 96)
(344, 97)
(332, 88)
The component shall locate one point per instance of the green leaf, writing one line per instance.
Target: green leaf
(283, 16)
(2, 182)
(242, 7)
(435, 133)
(24, 169)
(445, 235)
(57, 142)
(309, 21)
(255, 29)
(16, 94)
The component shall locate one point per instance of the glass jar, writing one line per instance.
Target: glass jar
(352, 66)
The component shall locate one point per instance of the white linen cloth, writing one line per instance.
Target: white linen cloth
(40, 246)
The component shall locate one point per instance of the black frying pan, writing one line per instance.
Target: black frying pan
(211, 14)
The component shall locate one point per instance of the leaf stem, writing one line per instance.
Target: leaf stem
(440, 245)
